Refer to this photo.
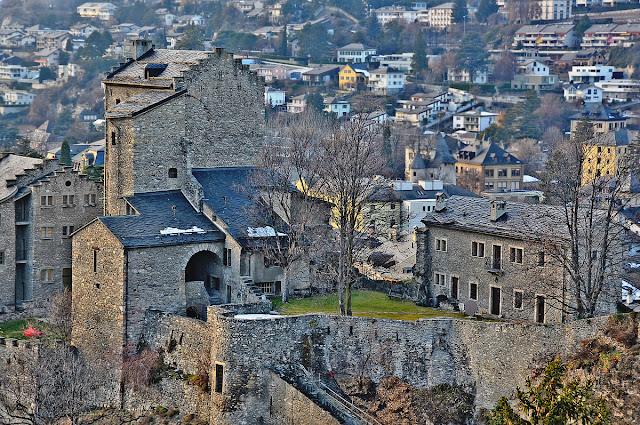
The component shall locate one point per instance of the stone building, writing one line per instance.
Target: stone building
(436, 163)
(502, 258)
(41, 204)
(183, 129)
(485, 166)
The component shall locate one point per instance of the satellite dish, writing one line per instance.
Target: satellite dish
(470, 308)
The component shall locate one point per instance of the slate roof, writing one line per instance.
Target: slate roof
(11, 166)
(613, 138)
(155, 214)
(528, 221)
(598, 112)
(443, 154)
(490, 154)
(141, 102)
(230, 194)
(177, 62)
(356, 46)
(417, 192)
(418, 162)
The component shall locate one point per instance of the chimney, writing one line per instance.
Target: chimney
(498, 209)
(140, 47)
(441, 202)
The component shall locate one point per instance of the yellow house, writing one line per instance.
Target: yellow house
(604, 155)
(352, 77)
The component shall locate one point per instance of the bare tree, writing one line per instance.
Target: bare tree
(552, 138)
(528, 151)
(587, 202)
(350, 158)
(550, 113)
(291, 157)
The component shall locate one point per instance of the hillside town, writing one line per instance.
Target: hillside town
(319, 212)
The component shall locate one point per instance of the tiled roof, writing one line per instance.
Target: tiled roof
(417, 192)
(529, 221)
(489, 154)
(157, 213)
(613, 138)
(141, 102)
(10, 166)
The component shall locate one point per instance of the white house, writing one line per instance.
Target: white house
(386, 81)
(588, 93)
(475, 121)
(441, 16)
(297, 104)
(590, 74)
(83, 30)
(274, 97)
(18, 97)
(534, 67)
(552, 10)
(12, 72)
(619, 90)
(355, 52)
(399, 61)
(463, 76)
(387, 14)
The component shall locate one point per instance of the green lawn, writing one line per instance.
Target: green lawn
(363, 303)
(15, 329)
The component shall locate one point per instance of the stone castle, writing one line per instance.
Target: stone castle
(172, 265)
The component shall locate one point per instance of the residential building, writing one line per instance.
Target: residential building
(441, 16)
(297, 104)
(584, 57)
(83, 30)
(353, 77)
(274, 97)
(485, 166)
(603, 118)
(48, 58)
(399, 61)
(339, 107)
(432, 163)
(12, 72)
(588, 93)
(619, 90)
(590, 74)
(552, 10)
(497, 257)
(93, 10)
(16, 97)
(355, 53)
(610, 35)
(534, 67)
(537, 80)
(606, 154)
(386, 81)
(545, 36)
(90, 157)
(321, 76)
(475, 121)
(41, 204)
(387, 14)
(270, 71)
(456, 75)
(53, 40)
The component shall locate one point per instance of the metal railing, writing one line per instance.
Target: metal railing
(336, 400)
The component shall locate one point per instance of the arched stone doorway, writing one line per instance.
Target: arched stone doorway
(202, 276)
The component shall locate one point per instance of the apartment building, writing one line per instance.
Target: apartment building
(545, 36)
(610, 35)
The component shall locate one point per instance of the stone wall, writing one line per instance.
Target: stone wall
(487, 359)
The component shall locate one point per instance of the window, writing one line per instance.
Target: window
(90, 199)
(266, 287)
(46, 275)
(440, 279)
(517, 299)
(67, 231)
(515, 172)
(488, 173)
(392, 222)
(173, 173)
(441, 245)
(46, 201)
(46, 232)
(541, 258)
(219, 378)
(454, 286)
(226, 258)
(392, 206)
(67, 200)
(473, 291)
(1, 257)
(515, 255)
(502, 172)
(113, 138)
(477, 249)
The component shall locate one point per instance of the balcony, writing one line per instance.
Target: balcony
(494, 266)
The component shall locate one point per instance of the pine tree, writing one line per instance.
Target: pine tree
(65, 153)
(459, 10)
(283, 46)
(419, 61)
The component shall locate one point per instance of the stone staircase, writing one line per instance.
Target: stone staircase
(253, 289)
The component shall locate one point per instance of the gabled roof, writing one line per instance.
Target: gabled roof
(356, 46)
(10, 166)
(598, 112)
(418, 192)
(488, 154)
(166, 212)
(521, 221)
(613, 138)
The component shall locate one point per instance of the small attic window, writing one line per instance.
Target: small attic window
(173, 173)
(154, 70)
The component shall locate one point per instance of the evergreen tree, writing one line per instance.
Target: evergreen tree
(316, 101)
(472, 54)
(313, 41)
(419, 60)
(582, 25)
(486, 8)
(65, 153)
(284, 51)
(191, 39)
(459, 10)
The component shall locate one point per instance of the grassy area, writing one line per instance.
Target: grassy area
(15, 329)
(363, 303)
